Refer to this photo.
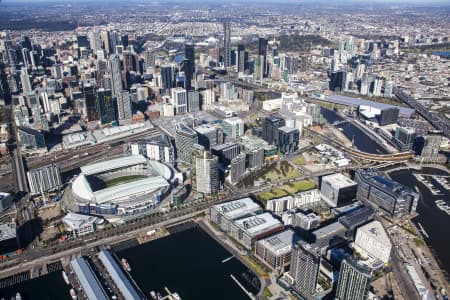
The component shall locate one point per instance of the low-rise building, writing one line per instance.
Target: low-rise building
(80, 224)
(337, 189)
(248, 230)
(373, 240)
(8, 238)
(385, 194)
(275, 250)
(225, 213)
(6, 201)
(306, 221)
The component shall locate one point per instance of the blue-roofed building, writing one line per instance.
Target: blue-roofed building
(356, 218)
(356, 102)
(385, 194)
(87, 279)
(122, 281)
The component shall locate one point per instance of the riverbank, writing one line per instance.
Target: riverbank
(431, 222)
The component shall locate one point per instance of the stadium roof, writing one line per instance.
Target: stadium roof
(113, 164)
(131, 189)
(350, 101)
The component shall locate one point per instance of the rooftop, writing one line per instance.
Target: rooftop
(287, 129)
(223, 146)
(280, 243)
(384, 183)
(89, 282)
(258, 224)
(350, 101)
(7, 231)
(205, 128)
(113, 164)
(338, 180)
(118, 276)
(75, 221)
(376, 231)
(131, 189)
(357, 217)
(238, 208)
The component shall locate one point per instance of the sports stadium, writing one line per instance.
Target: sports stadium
(122, 186)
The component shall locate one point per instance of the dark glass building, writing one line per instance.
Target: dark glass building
(106, 106)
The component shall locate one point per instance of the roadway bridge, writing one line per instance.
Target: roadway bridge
(433, 118)
(402, 156)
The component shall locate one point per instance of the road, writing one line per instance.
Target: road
(107, 236)
(402, 156)
(431, 117)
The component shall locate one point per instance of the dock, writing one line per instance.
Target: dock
(250, 295)
(227, 259)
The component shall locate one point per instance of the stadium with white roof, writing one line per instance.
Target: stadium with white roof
(122, 186)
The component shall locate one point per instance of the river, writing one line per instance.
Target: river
(435, 222)
(361, 140)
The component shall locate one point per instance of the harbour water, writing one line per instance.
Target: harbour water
(190, 264)
(47, 287)
(361, 140)
(435, 221)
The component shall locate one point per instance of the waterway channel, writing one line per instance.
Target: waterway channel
(435, 221)
(353, 133)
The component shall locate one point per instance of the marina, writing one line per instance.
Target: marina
(434, 221)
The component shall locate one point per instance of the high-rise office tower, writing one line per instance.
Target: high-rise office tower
(193, 101)
(104, 37)
(44, 179)
(242, 57)
(227, 44)
(185, 138)
(114, 40)
(404, 138)
(179, 100)
(94, 40)
(237, 168)
(149, 58)
(430, 150)
(207, 173)
(26, 58)
(305, 263)
(189, 54)
(106, 106)
(116, 75)
(25, 81)
(232, 128)
(124, 111)
(354, 281)
(187, 74)
(167, 76)
(262, 51)
(270, 128)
